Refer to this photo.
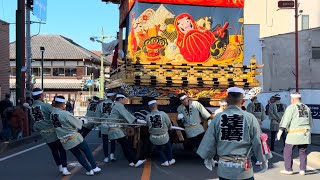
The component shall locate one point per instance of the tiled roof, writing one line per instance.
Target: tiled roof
(71, 84)
(56, 47)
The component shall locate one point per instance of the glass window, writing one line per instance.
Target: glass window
(58, 72)
(36, 71)
(71, 71)
(304, 22)
(47, 71)
(315, 52)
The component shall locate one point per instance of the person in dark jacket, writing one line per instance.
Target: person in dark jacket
(5, 106)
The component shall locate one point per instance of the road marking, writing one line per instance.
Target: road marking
(21, 152)
(298, 163)
(76, 169)
(146, 170)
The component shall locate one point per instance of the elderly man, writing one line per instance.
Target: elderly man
(67, 126)
(41, 115)
(190, 113)
(297, 120)
(159, 123)
(276, 111)
(232, 135)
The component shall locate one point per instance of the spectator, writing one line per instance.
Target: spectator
(69, 106)
(5, 108)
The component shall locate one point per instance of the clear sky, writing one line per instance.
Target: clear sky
(75, 19)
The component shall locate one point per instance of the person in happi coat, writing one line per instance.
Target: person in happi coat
(40, 112)
(190, 113)
(159, 123)
(117, 132)
(256, 108)
(276, 111)
(233, 134)
(297, 120)
(66, 127)
(103, 111)
(91, 112)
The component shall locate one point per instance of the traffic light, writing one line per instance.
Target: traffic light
(30, 4)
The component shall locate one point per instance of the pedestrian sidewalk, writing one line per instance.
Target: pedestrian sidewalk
(7, 145)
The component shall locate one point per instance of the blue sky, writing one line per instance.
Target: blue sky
(75, 19)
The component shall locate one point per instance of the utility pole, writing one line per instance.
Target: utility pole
(28, 49)
(101, 89)
(296, 45)
(20, 51)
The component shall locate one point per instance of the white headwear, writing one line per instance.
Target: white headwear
(111, 94)
(183, 97)
(152, 102)
(37, 93)
(223, 103)
(120, 96)
(60, 100)
(277, 96)
(235, 90)
(296, 95)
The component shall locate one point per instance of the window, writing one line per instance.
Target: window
(315, 52)
(58, 72)
(71, 72)
(47, 71)
(304, 22)
(36, 72)
(13, 72)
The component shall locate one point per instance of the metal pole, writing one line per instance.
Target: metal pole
(28, 54)
(20, 50)
(42, 70)
(101, 89)
(296, 45)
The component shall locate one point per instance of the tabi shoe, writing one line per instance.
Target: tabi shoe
(172, 161)
(286, 172)
(112, 158)
(216, 163)
(90, 173)
(302, 173)
(106, 160)
(60, 168)
(65, 172)
(131, 164)
(139, 163)
(165, 163)
(96, 170)
(258, 163)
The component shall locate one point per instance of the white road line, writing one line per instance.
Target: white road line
(21, 152)
(298, 163)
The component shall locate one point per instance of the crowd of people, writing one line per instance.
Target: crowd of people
(232, 140)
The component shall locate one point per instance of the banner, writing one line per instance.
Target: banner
(185, 34)
(221, 3)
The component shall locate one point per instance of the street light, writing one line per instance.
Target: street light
(100, 40)
(42, 52)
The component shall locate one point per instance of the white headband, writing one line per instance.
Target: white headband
(59, 100)
(222, 103)
(110, 94)
(183, 97)
(235, 90)
(295, 95)
(37, 93)
(120, 96)
(152, 102)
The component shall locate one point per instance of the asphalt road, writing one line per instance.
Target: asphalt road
(37, 164)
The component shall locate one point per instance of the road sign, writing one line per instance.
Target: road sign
(286, 4)
(40, 9)
(89, 82)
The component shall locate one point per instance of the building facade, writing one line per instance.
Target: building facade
(278, 54)
(67, 67)
(274, 21)
(4, 59)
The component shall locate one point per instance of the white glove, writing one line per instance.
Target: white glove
(279, 134)
(264, 167)
(209, 121)
(141, 121)
(180, 116)
(84, 120)
(209, 163)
